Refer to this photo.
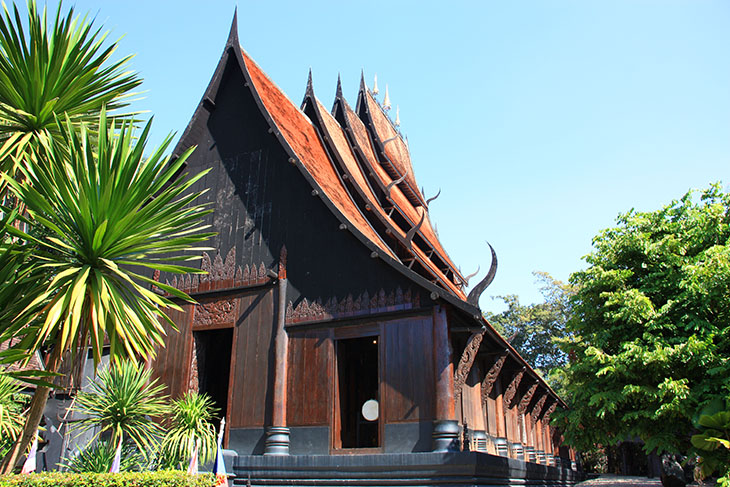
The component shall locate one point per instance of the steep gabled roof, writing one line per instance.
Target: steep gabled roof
(342, 151)
(362, 144)
(389, 144)
(300, 136)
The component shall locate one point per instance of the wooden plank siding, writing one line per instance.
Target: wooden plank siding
(178, 350)
(408, 370)
(310, 378)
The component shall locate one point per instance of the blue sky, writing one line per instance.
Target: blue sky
(539, 121)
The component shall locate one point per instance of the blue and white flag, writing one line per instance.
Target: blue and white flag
(221, 477)
(30, 463)
(117, 457)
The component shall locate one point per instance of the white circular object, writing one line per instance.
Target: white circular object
(370, 410)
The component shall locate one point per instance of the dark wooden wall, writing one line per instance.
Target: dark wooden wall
(409, 376)
(309, 401)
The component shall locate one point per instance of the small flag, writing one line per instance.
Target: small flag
(193, 466)
(221, 477)
(117, 457)
(30, 463)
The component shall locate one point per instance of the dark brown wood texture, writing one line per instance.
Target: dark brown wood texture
(471, 401)
(310, 378)
(252, 378)
(171, 366)
(409, 377)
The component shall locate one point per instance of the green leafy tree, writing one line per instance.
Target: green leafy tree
(533, 329)
(46, 71)
(190, 424)
(110, 213)
(11, 409)
(651, 324)
(123, 400)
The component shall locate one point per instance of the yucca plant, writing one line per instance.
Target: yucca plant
(11, 409)
(109, 211)
(190, 423)
(46, 71)
(99, 456)
(122, 401)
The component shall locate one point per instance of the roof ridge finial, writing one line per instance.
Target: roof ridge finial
(386, 100)
(362, 80)
(233, 33)
(375, 85)
(310, 87)
(397, 116)
(338, 92)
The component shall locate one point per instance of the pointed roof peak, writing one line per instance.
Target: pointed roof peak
(310, 86)
(338, 93)
(233, 33)
(363, 87)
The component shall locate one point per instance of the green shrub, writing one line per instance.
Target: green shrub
(99, 456)
(164, 478)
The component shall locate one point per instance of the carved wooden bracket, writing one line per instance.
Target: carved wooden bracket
(548, 413)
(466, 362)
(491, 377)
(364, 304)
(511, 392)
(538, 408)
(522, 407)
(193, 384)
(220, 275)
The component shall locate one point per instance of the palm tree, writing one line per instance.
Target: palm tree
(45, 72)
(190, 423)
(109, 213)
(122, 400)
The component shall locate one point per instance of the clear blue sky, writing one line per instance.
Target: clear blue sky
(540, 121)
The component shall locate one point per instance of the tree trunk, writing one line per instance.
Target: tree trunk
(33, 420)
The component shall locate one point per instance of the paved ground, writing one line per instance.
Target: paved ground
(620, 481)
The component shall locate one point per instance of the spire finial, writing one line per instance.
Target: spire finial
(386, 100)
(233, 33)
(375, 85)
(310, 87)
(397, 116)
(338, 93)
(362, 80)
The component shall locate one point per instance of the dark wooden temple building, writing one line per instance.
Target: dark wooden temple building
(332, 329)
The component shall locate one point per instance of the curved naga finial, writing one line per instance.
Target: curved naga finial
(433, 198)
(412, 232)
(397, 181)
(466, 279)
(475, 293)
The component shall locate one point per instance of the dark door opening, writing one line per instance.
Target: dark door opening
(358, 386)
(213, 357)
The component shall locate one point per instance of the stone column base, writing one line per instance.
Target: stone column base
(445, 435)
(277, 440)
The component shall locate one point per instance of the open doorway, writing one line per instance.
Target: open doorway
(213, 359)
(358, 392)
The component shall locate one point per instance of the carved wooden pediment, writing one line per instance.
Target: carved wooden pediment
(364, 304)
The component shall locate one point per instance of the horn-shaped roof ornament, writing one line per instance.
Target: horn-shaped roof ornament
(476, 293)
(433, 198)
(412, 232)
(375, 85)
(397, 116)
(386, 100)
(393, 183)
(466, 279)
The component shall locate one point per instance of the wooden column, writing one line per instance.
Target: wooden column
(277, 435)
(445, 428)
